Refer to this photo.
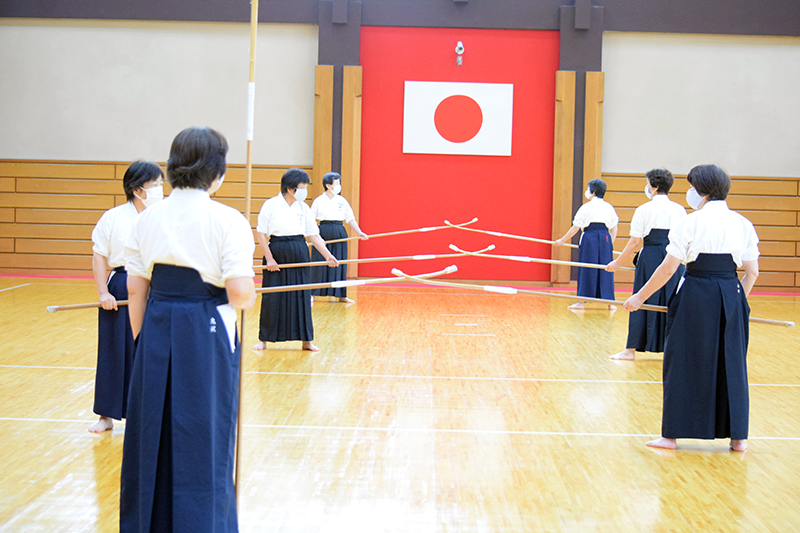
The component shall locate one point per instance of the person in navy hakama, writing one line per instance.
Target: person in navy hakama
(705, 356)
(598, 220)
(650, 226)
(190, 264)
(142, 184)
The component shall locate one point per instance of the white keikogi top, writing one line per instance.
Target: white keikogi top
(279, 218)
(658, 213)
(336, 208)
(714, 229)
(596, 210)
(189, 229)
(111, 233)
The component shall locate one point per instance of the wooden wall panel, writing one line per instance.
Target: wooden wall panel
(351, 151)
(563, 153)
(593, 127)
(323, 127)
(48, 210)
(772, 204)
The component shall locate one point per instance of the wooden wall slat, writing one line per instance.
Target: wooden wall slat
(52, 201)
(57, 216)
(68, 186)
(53, 246)
(769, 233)
(351, 151)
(777, 249)
(6, 214)
(766, 187)
(257, 190)
(736, 202)
(7, 184)
(51, 231)
(44, 261)
(57, 170)
(593, 127)
(323, 126)
(563, 168)
(6, 245)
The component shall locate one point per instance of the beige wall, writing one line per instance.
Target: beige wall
(682, 100)
(118, 91)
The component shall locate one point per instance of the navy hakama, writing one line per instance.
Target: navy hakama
(595, 247)
(647, 329)
(705, 367)
(178, 456)
(286, 316)
(330, 230)
(114, 352)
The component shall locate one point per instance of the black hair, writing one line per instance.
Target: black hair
(660, 178)
(196, 158)
(329, 178)
(711, 181)
(598, 187)
(292, 178)
(139, 173)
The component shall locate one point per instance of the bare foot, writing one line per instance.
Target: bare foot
(102, 425)
(669, 444)
(579, 305)
(310, 347)
(612, 307)
(738, 445)
(346, 300)
(261, 346)
(312, 299)
(626, 354)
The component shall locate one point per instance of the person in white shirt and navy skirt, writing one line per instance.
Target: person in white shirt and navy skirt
(283, 224)
(143, 187)
(190, 264)
(332, 209)
(705, 356)
(650, 226)
(598, 220)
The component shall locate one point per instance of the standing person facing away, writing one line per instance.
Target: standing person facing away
(190, 261)
(598, 220)
(283, 224)
(650, 225)
(331, 208)
(705, 356)
(143, 186)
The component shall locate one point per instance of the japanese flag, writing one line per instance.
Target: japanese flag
(457, 118)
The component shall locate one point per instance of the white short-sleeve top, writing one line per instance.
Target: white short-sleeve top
(189, 229)
(336, 208)
(596, 210)
(279, 218)
(658, 213)
(714, 229)
(111, 233)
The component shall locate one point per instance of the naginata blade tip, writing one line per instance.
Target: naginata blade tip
(54, 308)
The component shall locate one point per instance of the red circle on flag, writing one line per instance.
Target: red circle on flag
(458, 118)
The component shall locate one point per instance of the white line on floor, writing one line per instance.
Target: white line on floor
(17, 287)
(470, 334)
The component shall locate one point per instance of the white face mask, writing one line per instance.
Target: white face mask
(300, 194)
(221, 180)
(337, 188)
(693, 198)
(153, 195)
(588, 195)
(647, 191)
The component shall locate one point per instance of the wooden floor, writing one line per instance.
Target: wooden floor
(426, 410)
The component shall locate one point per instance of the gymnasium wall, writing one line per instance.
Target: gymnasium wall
(90, 90)
(677, 101)
(682, 100)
